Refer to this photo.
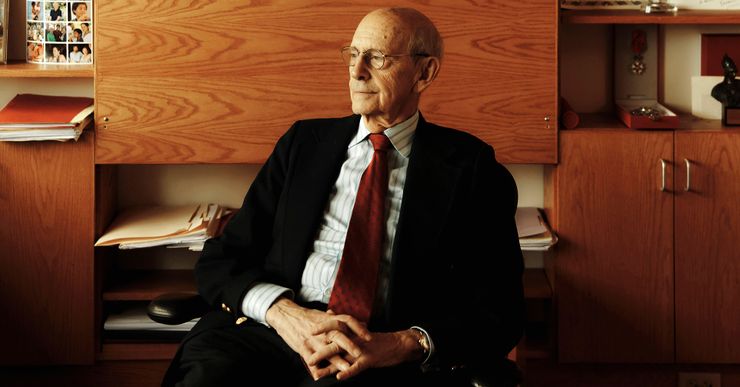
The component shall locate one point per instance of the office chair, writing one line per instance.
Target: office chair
(178, 308)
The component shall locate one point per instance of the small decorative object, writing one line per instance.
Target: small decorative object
(59, 32)
(660, 6)
(647, 111)
(3, 28)
(727, 92)
(646, 114)
(639, 45)
(602, 4)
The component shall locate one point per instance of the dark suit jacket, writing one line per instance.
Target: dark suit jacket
(456, 265)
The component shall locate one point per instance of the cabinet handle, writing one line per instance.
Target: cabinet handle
(688, 175)
(662, 174)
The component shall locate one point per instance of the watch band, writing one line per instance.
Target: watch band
(423, 341)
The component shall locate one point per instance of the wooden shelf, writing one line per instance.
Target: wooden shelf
(638, 17)
(146, 285)
(137, 351)
(20, 69)
(606, 121)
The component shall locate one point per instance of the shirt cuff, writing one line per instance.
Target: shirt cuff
(429, 340)
(260, 297)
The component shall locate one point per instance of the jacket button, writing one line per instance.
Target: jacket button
(225, 308)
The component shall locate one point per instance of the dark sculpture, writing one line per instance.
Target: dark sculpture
(728, 91)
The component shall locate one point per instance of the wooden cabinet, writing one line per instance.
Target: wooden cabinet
(46, 282)
(707, 258)
(645, 271)
(614, 264)
(632, 256)
(219, 83)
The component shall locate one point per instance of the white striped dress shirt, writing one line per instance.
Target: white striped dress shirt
(323, 261)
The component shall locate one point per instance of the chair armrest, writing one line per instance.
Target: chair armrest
(177, 308)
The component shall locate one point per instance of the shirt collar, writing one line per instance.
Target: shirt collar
(401, 135)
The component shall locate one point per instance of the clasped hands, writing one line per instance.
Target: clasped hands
(339, 344)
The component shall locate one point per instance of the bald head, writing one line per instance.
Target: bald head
(399, 51)
(422, 35)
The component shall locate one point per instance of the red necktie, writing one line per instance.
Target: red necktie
(357, 278)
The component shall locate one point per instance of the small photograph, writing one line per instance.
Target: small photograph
(55, 11)
(74, 33)
(34, 11)
(80, 11)
(3, 26)
(35, 52)
(55, 32)
(35, 31)
(87, 56)
(75, 53)
(87, 33)
(56, 53)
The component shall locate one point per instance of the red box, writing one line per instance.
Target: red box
(668, 120)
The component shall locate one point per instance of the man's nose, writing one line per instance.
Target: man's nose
(360, 70)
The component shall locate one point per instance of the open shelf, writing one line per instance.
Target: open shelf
(137, 351)
(638, 17)
(20, 69)
(145, 285)
(536, 285)
(606, 121)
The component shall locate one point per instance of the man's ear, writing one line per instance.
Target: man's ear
(429, 70)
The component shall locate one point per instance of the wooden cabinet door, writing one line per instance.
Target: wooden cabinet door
(707, 251)
(614, 264)
(46, 252)
(219, 82)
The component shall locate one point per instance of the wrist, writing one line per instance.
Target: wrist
(414, 343)
(276, 311)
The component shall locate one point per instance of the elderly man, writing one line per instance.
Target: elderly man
(371, 248)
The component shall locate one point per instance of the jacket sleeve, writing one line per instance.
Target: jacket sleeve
(231, 263)
(487, 318)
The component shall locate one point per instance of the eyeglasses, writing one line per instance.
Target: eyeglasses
(372, 57)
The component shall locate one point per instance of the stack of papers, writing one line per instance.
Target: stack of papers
(182, 226)
(31, 117)
(534, 232)
(135, 319)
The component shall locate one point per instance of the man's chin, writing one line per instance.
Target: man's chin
(361, 109)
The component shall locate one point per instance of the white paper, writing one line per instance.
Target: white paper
(703, 105)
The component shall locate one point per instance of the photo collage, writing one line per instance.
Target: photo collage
(59, 32)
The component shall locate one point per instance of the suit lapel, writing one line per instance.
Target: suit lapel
(427, 198)
(317, 164)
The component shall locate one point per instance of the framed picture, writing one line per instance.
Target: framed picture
(59, 32)
(4, 16)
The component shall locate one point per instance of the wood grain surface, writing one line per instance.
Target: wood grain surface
(707, 255)
(46, 264)
(219, 81)
(614, 264)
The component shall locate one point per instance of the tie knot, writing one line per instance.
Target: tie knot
(380, 141)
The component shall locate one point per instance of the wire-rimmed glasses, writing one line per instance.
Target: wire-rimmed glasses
(372, 57)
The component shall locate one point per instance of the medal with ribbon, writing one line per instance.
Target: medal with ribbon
(639, 45)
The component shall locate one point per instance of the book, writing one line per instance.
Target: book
(32, 117)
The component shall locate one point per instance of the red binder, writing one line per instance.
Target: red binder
(45, 109)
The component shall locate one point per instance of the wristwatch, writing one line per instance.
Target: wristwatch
(423, 341)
